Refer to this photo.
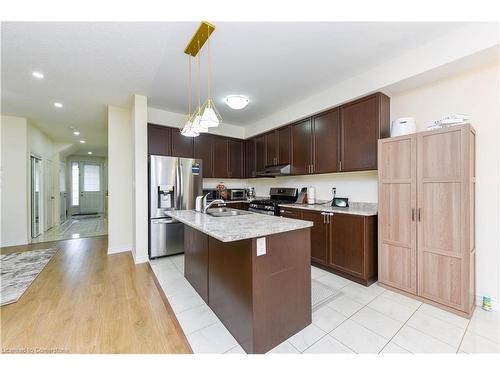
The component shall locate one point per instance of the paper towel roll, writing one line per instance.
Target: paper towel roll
(311, 195)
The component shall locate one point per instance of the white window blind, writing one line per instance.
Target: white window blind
(91, 177)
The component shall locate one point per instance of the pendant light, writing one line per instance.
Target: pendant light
(206, 116)
(188, 130)
(210, 116)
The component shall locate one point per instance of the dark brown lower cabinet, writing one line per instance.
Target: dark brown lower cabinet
(238, 205)
(196, 260)
(344, 244)
(261, 299)
(319, 236)
(353, 248)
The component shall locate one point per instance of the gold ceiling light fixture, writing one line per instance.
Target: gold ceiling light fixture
(204, 116)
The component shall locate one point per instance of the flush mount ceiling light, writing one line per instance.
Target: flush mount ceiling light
(58, 105)
(204, 116)
(90, 152)
(37, 75)
(236, 101)
(82, 141)
(76, 132)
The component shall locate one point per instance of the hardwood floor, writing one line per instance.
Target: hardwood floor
(85, 301)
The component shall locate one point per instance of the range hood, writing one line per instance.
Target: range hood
(275, 170)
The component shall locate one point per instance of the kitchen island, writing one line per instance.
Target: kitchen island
(253, 271)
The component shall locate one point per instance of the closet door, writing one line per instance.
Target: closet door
(397, 213)
(442, 205)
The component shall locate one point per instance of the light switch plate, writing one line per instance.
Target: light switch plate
(261, 246)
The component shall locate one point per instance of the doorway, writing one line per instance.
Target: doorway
(86, 188)
(36, 196)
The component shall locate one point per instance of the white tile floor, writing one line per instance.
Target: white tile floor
(360, 320)
(75, 227)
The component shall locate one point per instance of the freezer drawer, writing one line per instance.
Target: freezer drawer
(166, 237)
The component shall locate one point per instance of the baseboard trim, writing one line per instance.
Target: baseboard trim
(141, 259)
(119, 249)
(14, 243)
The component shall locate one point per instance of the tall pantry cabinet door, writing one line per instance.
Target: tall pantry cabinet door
(442, 204)
(397, 213)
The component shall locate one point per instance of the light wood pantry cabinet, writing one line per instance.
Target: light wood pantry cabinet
(426, 216)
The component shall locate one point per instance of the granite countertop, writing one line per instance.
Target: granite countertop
(355, 208)
(234, 228)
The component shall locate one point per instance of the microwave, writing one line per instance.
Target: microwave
(238, 194)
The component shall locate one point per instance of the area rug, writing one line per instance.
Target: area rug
(18, 270)
(321, 294)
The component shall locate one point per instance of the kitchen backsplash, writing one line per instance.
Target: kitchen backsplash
(357, 186)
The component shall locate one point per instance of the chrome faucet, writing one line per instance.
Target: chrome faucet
(207, 206)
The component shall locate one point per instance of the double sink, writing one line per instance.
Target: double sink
(225, 212)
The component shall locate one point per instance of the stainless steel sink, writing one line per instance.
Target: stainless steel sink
(225, 211)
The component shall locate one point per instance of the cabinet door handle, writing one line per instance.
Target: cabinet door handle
(419, 217)
(324, 217)
(412, 214)
(340, 165)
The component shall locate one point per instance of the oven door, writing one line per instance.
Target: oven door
(265, 212)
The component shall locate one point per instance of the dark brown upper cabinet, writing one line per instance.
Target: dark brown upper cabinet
(235, 158)
(249, 158)
(271, 148)
(260, 152)
(203, 149)
(363, 122)
(283, 137)
(302, 147)
(278, 146)
(221, 157)
(326, 142)
(182, 147)
(159, 140)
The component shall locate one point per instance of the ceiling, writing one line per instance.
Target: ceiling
(90, 65)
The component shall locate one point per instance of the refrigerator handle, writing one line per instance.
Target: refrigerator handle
(178, 185)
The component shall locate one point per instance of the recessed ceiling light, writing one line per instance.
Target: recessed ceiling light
(90, 152)
(58, 105)
(82, 141)
(237, 101)
(76, 132)
(37, 75)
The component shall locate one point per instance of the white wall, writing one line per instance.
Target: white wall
(476, 93)
(14, 181)
(357, 186)
(172, 119)
(119, 180)
(140, 177)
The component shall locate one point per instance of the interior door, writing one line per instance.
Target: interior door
(62, 193)
(36, 203)
(397, 229)
(91, 195)
(441, 201)
(49, 194)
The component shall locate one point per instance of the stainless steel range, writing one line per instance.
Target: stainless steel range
(271, 206)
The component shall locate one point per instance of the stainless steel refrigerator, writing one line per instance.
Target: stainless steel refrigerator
(174, 184)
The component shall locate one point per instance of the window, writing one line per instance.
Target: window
(75, 184)
(91, 177)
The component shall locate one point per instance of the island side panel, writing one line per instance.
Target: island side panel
(281, 288)
(230, 283)
(196, 260)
